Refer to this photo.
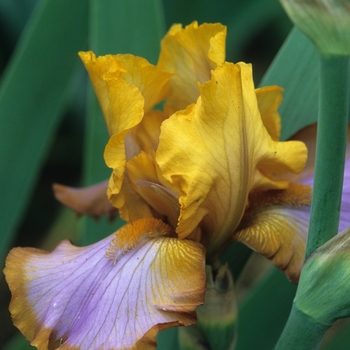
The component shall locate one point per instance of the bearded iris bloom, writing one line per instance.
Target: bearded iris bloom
(189, 179)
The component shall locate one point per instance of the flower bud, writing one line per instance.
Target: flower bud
(216, 319)
(324, 287)
(325, 22)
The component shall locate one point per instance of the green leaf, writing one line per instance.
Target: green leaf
(17, 342)
(127, 26)
(263, 313)
(13, 17)
(32, 100)
(295, 68)
(332, 132)
(338, 338)
(168, 339)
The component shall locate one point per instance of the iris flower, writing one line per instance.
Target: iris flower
(204, 171)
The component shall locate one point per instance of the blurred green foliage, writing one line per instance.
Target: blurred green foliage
(52, 129)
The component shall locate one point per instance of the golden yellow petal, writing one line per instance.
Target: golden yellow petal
(126, 105)
(130, 204)
(97, 69)
(130, 96)
(144, 136)
(127, 109)
(217, 151)
(191, 53)
(308, 136)
(269, 99)
(152, 82)
(276, 226)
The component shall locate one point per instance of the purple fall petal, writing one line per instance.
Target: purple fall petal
(79, 298)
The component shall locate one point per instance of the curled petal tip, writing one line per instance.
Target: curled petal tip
(91, 200)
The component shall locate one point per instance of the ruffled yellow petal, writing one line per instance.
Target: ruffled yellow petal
(118, 99)
(144, 136)
(269, 99)
(191, 53)
(308, 136)
(97, 69)
(152, 82)
(129, 104)
(276, 225)
(217, 151)
(130, 96)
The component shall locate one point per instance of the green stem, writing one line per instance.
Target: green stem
(330, 150)
(301, 332)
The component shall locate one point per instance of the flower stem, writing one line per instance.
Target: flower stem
(301, 332)
(330, 150)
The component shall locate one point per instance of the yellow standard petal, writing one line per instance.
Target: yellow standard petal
(97, 68)
(269, 99)
(127, 107)
(130, 96)
(152, 82)
(191, 53)
(217, 151)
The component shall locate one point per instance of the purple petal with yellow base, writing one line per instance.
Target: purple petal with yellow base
(115, 294)
(276, 223)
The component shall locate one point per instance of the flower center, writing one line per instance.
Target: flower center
(130, 235)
